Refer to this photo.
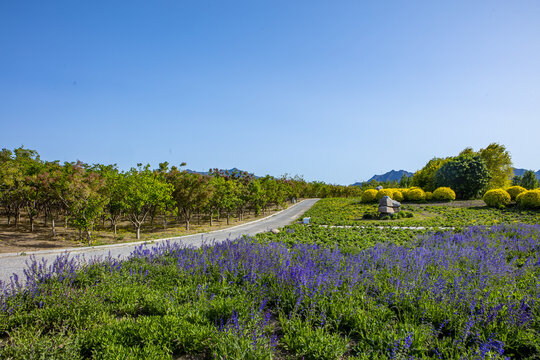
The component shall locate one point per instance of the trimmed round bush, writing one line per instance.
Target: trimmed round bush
(385, 192)
(514, 191)
(444, 194)
(416, 194)
(429, 195)
(398, 196)
(369, 195)
(497, 198)
(529, 199)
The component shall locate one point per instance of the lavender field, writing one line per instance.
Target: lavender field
(468, 295)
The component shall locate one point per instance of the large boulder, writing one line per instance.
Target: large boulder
(389, 206)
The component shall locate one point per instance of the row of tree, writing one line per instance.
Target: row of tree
(82, 194)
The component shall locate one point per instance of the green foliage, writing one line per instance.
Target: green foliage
(429, 195)
(142, 192)
(467, 175)
(444, 194)
(499, 164)
(459, 214)
(425, 177)
(369, 195)
(497, 198)
(529, 180)
(313, 343)
(514, 191)
(529, 199)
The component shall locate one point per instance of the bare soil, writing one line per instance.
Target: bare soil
(21, 239)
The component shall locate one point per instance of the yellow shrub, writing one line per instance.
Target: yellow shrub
(514, 191)
(497, 198)
(429, 195)
(369, 195)
(416, 194)
(398, 196)
(529, 199)
(385, 192)
(444, 194)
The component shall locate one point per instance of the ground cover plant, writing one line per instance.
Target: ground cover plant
(339, 211)
(468, 295)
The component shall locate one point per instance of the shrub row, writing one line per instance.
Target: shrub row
(529, 199)
(414, 194)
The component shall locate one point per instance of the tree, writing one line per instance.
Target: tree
(190, 192)
(499, 164)
(467, 175)
(529, 180)
(84, 196)
(226, 196)
(425, 177)
(142, 191)
(405, 181)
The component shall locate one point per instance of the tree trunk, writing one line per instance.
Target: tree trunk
(9, 218)
(138, 232)
(53, 227)
(80, 234)
(211, 223)
(31, 223)
(165, 222)
(187, 224)
(89, 236)
(114, 225)
(228, 218)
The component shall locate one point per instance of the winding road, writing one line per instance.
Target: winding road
(15, 263)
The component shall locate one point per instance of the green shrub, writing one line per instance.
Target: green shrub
(369, 195)
(429, 195)
(497, 198)
(444, 194)
(529, 199)
(514, 191)
(385, 192)
(416, 194)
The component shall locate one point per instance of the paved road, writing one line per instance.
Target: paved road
(15, 263)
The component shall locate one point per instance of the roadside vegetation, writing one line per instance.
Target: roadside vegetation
(453, 276)
(100, 203)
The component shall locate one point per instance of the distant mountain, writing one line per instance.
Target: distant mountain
(520, 172)
(392, 175)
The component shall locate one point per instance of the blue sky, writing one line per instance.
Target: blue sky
(332, 90)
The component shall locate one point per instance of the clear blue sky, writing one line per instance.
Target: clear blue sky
(333, 90)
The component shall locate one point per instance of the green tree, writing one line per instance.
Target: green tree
(84, 195)
(499, 164)
(425, 177)
(143, 191)
(467, 175)
(189, 194)
(529, 180)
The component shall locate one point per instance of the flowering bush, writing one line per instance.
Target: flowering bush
(398, 196)
(497, 198)
(369, 195)
(529, 199)
(444, 194)
(385, 192)
(416, 194)
(514, 191)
